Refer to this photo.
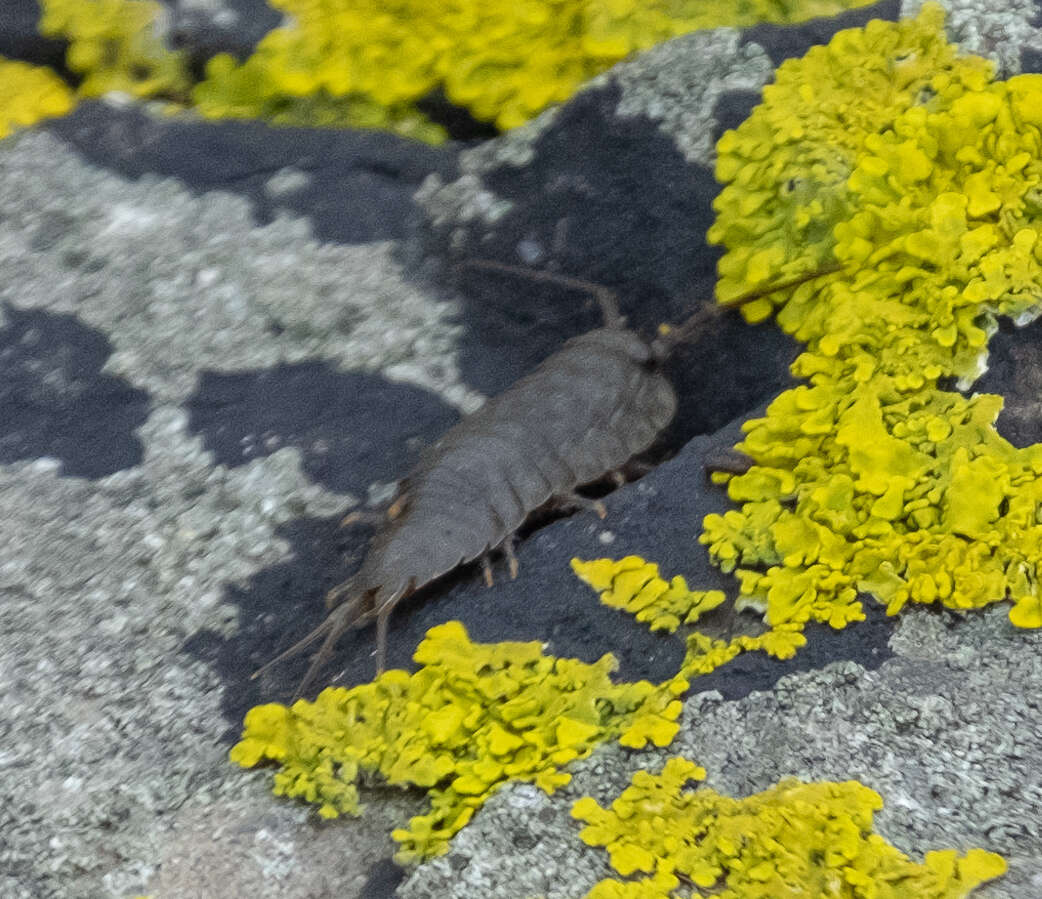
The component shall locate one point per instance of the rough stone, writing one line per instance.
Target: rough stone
(148, 565)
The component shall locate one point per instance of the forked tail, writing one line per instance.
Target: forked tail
(345, 616)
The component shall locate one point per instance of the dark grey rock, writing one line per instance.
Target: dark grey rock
(352, 186)
(20, 39)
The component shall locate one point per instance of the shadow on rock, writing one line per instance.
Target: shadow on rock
(354, 186)
(278, 605)
(352, 429)
(1015, 372)
(56, 402)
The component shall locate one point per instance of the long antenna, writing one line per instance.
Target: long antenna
(605, 296)
(608, 300)
(688, 328)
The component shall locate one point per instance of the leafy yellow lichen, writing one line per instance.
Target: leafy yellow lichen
(792, 840)
(705, 654)
(634, 585)
(367, 63)
(471, 719)
(920, 173)
(116, 46)
(31, 93)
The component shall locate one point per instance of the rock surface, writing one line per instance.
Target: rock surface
(215, 338)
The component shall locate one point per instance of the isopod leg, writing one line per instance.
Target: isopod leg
(508, 551)
(370, 517)
(486, 561)
(636, 468)
(486, 570)
(378, 516)
(339, 593)
(577, 501)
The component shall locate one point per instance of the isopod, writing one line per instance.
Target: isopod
(577, 418)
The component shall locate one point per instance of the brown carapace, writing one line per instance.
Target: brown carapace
(581, 415)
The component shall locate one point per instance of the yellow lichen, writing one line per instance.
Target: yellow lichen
(116, 46)
(31, 93)
(705, 654)
(367, 63)
(634, 585)
(792, 840)
(908, 163)
(471, 719)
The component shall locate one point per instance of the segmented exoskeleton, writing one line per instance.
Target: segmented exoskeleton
(580, 416)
